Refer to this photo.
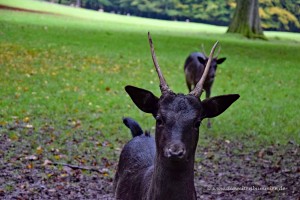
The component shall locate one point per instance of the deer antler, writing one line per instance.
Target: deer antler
(203, 50)
(217, 54)
(163, 84)
(197, 91)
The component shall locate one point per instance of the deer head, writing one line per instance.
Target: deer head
(178, 116)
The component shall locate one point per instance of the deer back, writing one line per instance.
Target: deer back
(135, 162)
(193, 68)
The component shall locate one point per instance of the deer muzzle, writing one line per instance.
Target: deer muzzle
(175, 151)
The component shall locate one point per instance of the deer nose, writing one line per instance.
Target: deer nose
(175, 151)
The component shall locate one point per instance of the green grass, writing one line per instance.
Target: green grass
(70, 68)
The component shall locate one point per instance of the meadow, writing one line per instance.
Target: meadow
(64, 69)
(57, 67)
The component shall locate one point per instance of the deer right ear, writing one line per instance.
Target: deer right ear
(143, 99)
(216, 105)
(220, 60)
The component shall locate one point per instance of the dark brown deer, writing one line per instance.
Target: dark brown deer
(194, 68)
(162, 168)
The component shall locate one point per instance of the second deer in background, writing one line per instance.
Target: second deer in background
(194, 67)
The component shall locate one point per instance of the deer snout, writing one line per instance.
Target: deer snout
(175, 151)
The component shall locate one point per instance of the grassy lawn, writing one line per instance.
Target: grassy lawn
(63, 75)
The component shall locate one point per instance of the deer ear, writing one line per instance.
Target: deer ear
(202, 60)
(216, 105)
(143, 99)
(220, 60)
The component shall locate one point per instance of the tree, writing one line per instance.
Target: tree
(78, 3)
(246, 20)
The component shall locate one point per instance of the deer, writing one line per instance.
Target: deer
(194, 68)
(162, 167)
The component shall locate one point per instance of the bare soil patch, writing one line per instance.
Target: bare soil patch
(224, 170)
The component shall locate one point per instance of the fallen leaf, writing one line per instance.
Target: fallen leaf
(30, 166)
(47, 162)
(39, 150)
(26, 119)
(227, 141)
(52, 190)
(261, 153)
(31, 157)
(28, 126)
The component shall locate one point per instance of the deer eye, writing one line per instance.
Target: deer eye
(159, 120)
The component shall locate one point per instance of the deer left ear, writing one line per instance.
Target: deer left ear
(216, 105)
(220, 60)
(202, 60)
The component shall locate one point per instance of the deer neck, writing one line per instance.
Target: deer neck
(172, 183)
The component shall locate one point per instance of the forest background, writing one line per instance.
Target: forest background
(276, 15)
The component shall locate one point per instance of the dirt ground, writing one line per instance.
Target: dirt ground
(223, 170)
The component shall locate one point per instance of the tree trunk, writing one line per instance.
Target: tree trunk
(78, 3)
(246, 20)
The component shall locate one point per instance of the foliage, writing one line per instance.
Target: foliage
(276, 15)
(280, 15)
